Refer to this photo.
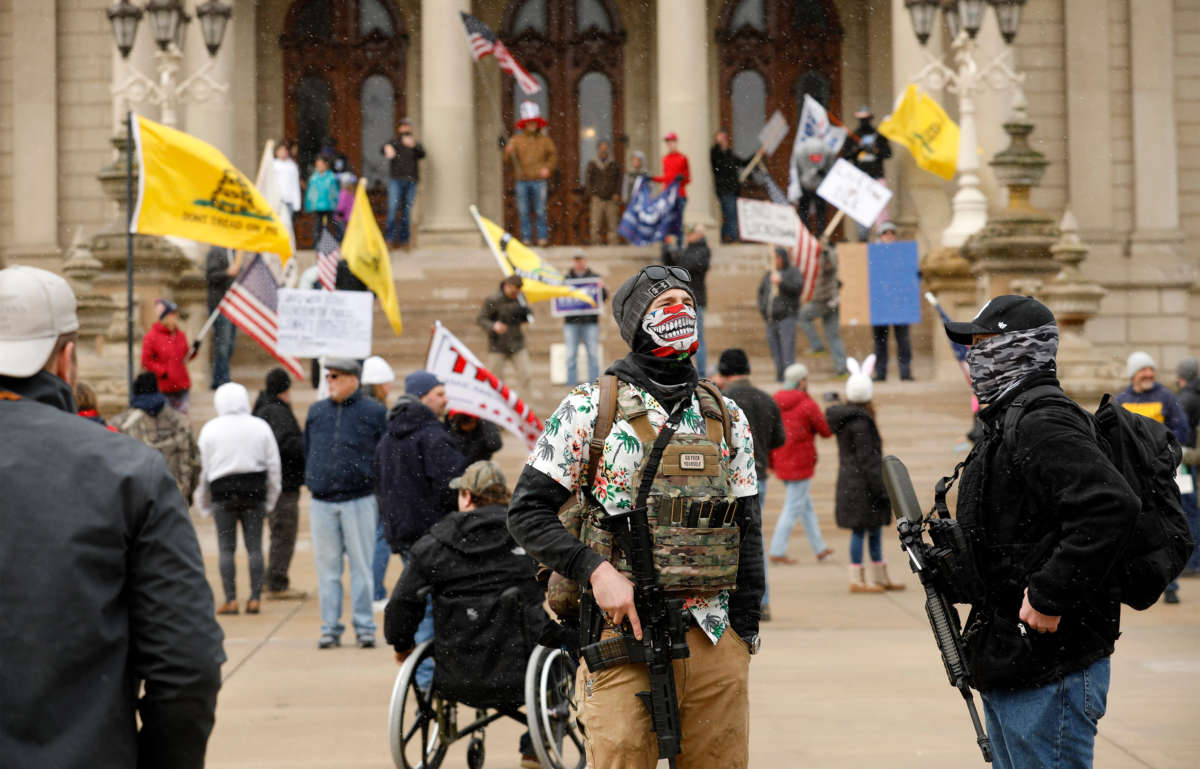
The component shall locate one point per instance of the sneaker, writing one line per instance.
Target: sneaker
(1171, 596)
(366, 642)
(287, 594)
(380, 605)
(329, 642)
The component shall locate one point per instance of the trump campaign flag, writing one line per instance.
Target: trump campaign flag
(649, 219)
(474, 390)
(188, 189)
(880, 283)
(541, 281)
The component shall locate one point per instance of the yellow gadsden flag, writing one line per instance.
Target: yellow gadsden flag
(540, 280)
(919, 123)
(188, 189)
(366, 254)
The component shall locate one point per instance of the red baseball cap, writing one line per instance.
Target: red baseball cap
(671, 137)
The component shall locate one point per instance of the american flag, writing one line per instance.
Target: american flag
(482, 41)
(808, 261)
(328, 256)
(251, 303)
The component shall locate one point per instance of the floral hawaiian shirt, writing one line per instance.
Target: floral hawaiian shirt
(561, 453)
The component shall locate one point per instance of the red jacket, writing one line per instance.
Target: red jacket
(796, 459)
(675, 164)
(165, 353)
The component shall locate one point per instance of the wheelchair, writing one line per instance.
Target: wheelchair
(422, 725)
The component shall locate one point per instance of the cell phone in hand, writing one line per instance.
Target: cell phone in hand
(831, 397)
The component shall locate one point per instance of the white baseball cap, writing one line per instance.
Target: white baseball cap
(36, 308)
(375, 370)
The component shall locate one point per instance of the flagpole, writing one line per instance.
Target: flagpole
(129, 250)
(500, 260)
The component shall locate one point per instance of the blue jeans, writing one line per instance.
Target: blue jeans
(797, 506)
(874, 544)
(702, 349)
(379, 564)
(531, 197)
(224, 338)
(401, 194)
(829, 320)
(589, 334)
(1051, 726)
(424, 632)
(762, 505)
(729, 220)
(781, 341)
(344, 529)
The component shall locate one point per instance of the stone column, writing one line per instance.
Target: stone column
(447, 126)
(34, 176)
(1090, 177)
(681, 50)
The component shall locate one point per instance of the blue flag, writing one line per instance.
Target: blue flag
(649, 219)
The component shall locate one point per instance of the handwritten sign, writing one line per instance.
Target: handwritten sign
(566, 306)
(316, 323)
(766, 222)
(856, 193)
(773, 132)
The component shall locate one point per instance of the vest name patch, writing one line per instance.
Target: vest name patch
(691, 461)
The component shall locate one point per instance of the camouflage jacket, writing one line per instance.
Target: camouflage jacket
(171, 434)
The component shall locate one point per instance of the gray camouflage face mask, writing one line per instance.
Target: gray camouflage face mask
(1002, 362)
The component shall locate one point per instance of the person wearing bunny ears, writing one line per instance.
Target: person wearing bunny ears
(702, 497)
(862, 503)
(1050, 515)
(534, 158)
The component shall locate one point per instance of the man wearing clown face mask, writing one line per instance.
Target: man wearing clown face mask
(702, 496)
(1048, 514)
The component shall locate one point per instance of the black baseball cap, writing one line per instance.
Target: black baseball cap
(1000, 316)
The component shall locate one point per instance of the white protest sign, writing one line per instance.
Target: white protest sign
(814, 121)
(317, 323)
(766, 222)
(773, 132)
(856, 193)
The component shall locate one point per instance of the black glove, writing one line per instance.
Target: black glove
(502, 142)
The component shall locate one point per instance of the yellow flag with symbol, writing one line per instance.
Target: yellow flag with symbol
(540, 281)
(919, 123)
(189, 189)
(366, 254)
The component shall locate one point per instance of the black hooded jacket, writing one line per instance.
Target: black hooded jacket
(288, 436)
(414, 462)
(862, 500)
(1051, 514)
(1189, 401)
(786, 301)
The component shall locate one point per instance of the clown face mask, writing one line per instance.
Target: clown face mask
(673, 331)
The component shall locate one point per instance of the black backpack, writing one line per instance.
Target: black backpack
(1148, 455)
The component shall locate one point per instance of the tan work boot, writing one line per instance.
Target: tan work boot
(858, 581)
(879, 575)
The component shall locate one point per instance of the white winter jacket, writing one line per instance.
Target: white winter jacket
(236, 442)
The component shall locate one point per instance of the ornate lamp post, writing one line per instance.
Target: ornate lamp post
(963, 20)
(168, 22)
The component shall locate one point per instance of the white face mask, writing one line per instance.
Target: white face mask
(673, 330)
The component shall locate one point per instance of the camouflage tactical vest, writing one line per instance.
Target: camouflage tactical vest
(691, 502)
(169, 433)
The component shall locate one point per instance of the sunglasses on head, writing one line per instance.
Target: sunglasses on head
(661, 272)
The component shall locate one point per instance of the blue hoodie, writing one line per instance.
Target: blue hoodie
(339, 446)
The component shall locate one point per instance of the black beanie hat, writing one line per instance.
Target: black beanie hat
(145, 384)
(733, 362)
(278, 381)
(634, 296)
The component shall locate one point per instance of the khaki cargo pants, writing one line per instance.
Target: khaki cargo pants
(714, 709)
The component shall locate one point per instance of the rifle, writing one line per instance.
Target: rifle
(664, 633)
(941, 571)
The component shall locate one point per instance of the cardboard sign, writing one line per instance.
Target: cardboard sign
(766, 222)
(566, 306)
(317, 323)
(880, 285)
(856, 193)
(772, 133)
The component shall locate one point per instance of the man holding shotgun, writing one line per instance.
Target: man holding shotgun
(669, 547)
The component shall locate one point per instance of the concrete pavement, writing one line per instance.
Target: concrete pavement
(842, 681)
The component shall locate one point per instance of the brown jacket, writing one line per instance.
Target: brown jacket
(603, 179)
(533, 151)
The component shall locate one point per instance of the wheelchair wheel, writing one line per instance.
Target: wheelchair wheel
(475, 753)
(414, 732)
(551, 709)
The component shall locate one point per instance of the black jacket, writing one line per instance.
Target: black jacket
(696, 259)
(862, 500)
(1057, 494)
(1189, 401)
(498, 307)
(414, 462)
(582, 319)
(726, 168)
(102, 590)
(869, 150)
(405, 164)
(217, 282)
(480, 443)
(766, 422)
(468, 560)
(288, 436)
(786, 301)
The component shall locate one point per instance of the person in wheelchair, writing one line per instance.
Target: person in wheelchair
(487, 604)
